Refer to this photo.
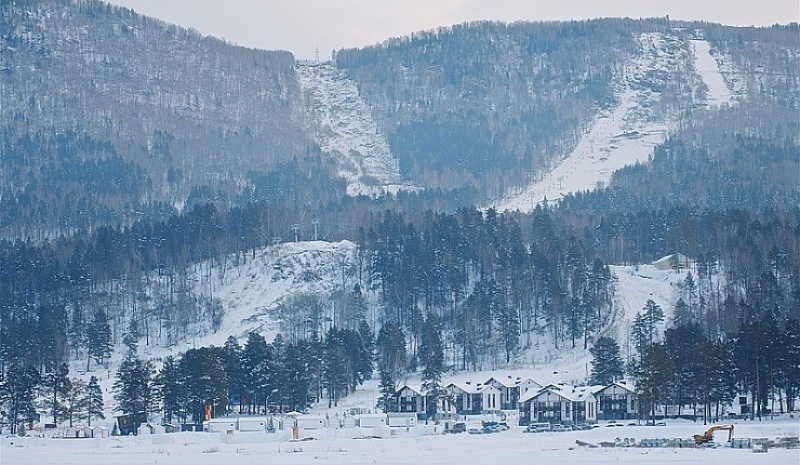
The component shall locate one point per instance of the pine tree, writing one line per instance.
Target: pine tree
(170, 386)
(388, 400)
(432, 351)
(391, 348)
(607, 364)
(336, 369)
(233, 367)
(94, 400)
(20, 390)
(205, 382)
(99, 337)
(75, 401)
(58, 385)
(133, 387)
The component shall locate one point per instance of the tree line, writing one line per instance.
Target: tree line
(683, 371)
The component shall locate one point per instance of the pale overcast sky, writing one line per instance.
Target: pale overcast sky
(300, 26)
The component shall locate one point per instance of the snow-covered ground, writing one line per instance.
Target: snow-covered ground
(708, 68)
(626, 134)
(343, 126)
(251, 292)
(398, 446)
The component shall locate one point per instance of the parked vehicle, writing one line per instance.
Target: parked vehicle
(537, 428)
(582, 427)
(559, 428)
(459, 428)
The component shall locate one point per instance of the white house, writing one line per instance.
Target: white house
(559, 403)
(491, 398)
(616, 401)
(217, 425)
(465, 398)
(311, 421)
(509, 391)
(411, 399)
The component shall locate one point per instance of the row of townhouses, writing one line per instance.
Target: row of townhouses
(553, 403)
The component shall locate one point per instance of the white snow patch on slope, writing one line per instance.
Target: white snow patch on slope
(251, 292)
(622, 136)
(628, 133)
(343, 126)
(718, 92)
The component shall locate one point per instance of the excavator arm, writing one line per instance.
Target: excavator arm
(708, 436)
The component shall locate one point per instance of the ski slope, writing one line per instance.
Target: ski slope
(626, 134)
(706, 65)
(343, 126)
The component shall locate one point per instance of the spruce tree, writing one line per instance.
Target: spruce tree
(94, 400)
(387, 387)
(433, 357)
(58, 385)
(20, 390)
(99, 337)
(607, 364)
(133, 387)
(170, 386)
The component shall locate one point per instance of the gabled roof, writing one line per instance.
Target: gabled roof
(469, 388)
(621, 384)
(565, 391)
(416, 388)
(521, 380)
(509, 381)
(484, 387)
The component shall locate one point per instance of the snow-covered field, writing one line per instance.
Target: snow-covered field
(626, 134)
(416, 446)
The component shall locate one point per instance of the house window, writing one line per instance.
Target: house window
(742, 400)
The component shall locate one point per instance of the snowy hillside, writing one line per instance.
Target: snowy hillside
(343, 126)
(252, 292)
(626, 134)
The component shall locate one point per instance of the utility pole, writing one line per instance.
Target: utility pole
(296, 230)
(315, 223)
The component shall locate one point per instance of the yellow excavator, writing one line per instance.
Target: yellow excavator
(708, 436)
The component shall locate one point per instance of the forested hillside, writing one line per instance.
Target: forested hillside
(144, 168)
(171, 109)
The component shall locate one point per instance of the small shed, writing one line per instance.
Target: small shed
(144, 429)
(349, 422)
(371, 421)
(99, 432)
(157, 429)
(73, 432)
(311, 421)
(219, 425)
(401, 419)
(253, 424)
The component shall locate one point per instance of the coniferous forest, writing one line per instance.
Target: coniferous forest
(110, 221)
